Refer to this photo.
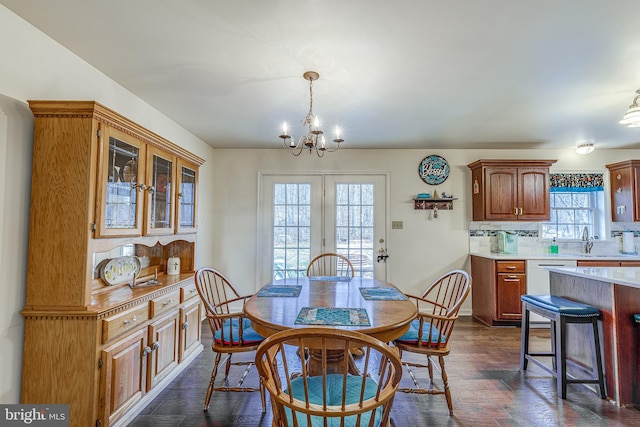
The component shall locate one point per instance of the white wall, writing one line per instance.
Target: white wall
(419, 252)
(36, 67)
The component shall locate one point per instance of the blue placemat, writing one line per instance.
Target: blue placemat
(333, 316)
(391, 294)
(331, 278)
(280, 291)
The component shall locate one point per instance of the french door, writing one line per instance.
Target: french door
(303, 216)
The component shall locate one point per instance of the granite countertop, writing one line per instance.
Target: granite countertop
(628, 276)
(560, 256)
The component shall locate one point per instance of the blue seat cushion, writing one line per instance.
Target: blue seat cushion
(430, 334)
(561, 305)
(334, 398)
(249, 336)
(636, 317)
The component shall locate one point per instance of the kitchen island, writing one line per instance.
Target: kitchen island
(616, 292)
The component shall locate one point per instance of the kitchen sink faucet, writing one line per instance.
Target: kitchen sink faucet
(588, 241)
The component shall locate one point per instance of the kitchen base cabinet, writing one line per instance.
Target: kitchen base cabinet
(497, 287)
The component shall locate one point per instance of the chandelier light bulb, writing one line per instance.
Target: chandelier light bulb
(284, 128)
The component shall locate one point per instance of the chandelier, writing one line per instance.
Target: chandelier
(314, 139)
(632, 116)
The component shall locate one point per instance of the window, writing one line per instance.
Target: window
(291, 229)
(577, 201)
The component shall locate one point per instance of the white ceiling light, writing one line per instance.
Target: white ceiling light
(314, 140)
(584, 148)
(632, 116)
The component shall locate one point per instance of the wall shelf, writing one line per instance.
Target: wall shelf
(440, 204)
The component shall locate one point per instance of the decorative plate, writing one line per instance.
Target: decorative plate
(434, 169)
(120, 270)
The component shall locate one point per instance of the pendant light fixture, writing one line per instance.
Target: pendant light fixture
(314, 140)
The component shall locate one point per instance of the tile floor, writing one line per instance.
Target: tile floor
(487, 387)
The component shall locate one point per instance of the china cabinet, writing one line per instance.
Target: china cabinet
(510, 190)
(103, 187)
(625, 187)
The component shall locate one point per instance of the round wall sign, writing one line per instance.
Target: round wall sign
(434, 169)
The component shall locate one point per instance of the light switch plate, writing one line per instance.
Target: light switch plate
(397, 225)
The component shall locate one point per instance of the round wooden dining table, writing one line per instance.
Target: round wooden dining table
(388, 318)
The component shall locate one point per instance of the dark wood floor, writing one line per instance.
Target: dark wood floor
(487, 387)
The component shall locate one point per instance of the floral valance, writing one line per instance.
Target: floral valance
(577, 182)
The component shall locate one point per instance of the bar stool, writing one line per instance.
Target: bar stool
(560, 312)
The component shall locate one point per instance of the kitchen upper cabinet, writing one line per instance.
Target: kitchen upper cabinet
(625, 200)
(510, 190)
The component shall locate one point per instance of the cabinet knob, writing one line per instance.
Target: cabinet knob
(151, 189)
(166, 303)
(133, 319)
(185, 325)
(180, 195)
(142, 187)
(146, 351)
(155, 346)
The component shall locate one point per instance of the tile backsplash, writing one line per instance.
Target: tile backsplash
(482, 238)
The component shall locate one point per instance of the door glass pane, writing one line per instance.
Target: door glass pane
(188, 198)
(291, 230)
(122, 196)
(355, 225)
(161, 195)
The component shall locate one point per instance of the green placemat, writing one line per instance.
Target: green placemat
(333, 316)
(292, 291)
(390, 294)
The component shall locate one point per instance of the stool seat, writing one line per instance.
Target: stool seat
(560, 312)
(561, 305)
(636, 317)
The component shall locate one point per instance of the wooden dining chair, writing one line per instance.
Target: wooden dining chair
(330, 264)
(334, 397)
(231, 332)
(430, 333)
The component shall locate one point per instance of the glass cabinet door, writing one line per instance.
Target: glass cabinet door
(161, 192)
(119, 193)
(187, 182)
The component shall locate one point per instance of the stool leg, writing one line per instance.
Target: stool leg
(561, 356)
(597, 357)
(552, 328)
(524, 345)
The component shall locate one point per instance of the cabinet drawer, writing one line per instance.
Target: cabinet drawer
(116, 325)
(164, 303)
(510, 266)
(187, 292)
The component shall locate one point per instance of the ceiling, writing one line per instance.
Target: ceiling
(393, 74)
